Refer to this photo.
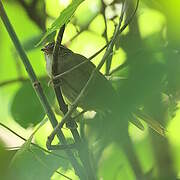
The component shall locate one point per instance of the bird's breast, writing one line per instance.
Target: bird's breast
(49, 59)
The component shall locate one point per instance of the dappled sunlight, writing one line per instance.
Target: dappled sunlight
(124, 109)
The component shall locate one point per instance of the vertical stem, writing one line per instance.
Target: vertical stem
(82, 148)
(37, 87)
(109, 59)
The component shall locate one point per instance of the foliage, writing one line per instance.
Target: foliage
(143, 69)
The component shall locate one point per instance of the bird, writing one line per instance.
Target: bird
(100, 95)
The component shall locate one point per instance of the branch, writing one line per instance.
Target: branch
(105, 22)
(37, 86)
(121, 66)
(80, 64)
(18, 80)
(55, 66)
(83, 151)
(109, 60)
(11, 81)
(80, 31)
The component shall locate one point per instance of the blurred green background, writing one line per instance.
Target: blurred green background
(151, 48)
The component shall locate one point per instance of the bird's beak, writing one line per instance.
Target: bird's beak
(44, 50)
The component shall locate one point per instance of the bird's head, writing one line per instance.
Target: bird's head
(48, 52)
(48, 49)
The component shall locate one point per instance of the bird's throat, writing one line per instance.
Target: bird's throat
(49, 60)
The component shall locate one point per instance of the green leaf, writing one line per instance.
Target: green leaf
(29, 43)
(32, 163)
(49, 38)
(30, 158)
(26, 108)
(5, 158)
(26, 146)
(114, 164)
(63, 18)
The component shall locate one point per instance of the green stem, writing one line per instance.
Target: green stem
(81, 147)
(38, 88)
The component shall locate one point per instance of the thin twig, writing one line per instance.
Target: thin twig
(80, 64)
(109, 60)
(121, 66)
(74, 37)
(11, 81)
(105, 21)
(81, 31)
(18, 80)
(79, 114)
(36, 145)
(46, 166)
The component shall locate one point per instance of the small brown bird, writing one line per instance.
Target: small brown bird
(100, 94)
